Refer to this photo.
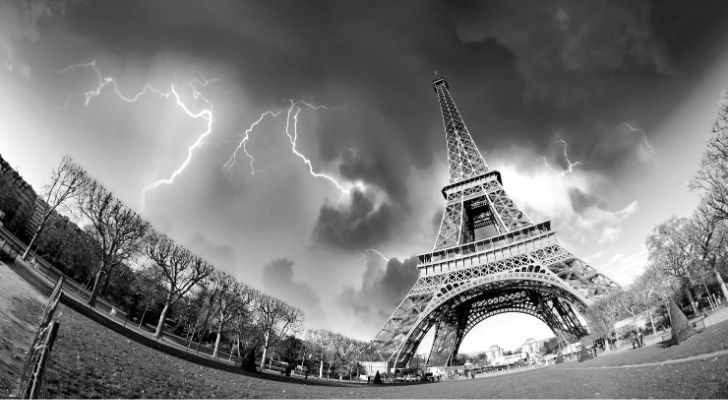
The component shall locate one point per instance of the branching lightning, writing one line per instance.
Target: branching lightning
(243, 143)
(295, 151)
(644, 136)
(291, 130)
(205, 114)
(570, 165)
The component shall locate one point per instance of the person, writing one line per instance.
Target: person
(369, 378)
(641, 339)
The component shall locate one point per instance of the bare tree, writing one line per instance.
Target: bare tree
(201, 306)
(248, 333)
(277, 320)
(117, 229)
(650, 290)
(147, 286)
(321, 339)
(708, 232)
(181, 269)
(712, 176)
(65, 183)
(231, 295)
(604, 313)
(671, 251)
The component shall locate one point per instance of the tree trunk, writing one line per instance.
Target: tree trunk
(35, 236)
(160, 324)
(689, 295)
(217, 340)
(141, 320)
(199, 340)
(710, 300)
(95, 290)
(722, 284)
(237, 346)
(265, 351)
(107, 283)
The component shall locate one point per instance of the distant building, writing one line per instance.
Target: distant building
(32, 202)
(495, 352)
(533, 346)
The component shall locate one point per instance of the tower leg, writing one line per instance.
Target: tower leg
(444, 347)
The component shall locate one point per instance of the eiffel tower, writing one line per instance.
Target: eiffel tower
(489, 258)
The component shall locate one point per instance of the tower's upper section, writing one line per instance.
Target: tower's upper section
(462, 153)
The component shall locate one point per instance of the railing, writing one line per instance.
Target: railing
(32, 378)
(495, 242)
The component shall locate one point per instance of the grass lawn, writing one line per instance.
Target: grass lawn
(714, 338)
(89, 360)
(20, 309)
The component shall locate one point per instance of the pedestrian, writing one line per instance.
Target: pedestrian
(641, 339)
(369, 378)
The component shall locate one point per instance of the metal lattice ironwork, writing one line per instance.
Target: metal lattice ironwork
(489, 258)
(462, 153)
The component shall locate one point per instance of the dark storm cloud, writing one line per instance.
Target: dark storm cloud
(356, 226)
(278, 281)
(521, 73)
(383, 287)
(580, 201)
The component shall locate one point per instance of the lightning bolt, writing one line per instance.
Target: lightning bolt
(205, 114)
(571, 165)
(644, 136)
(377, 252)
(246, 137)
(291, 129)
(546, 163)
(293, 137)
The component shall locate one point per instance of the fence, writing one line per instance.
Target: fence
(32, 378)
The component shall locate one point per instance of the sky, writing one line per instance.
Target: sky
(299, 145)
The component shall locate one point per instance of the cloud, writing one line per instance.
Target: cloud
(580, 201)
(363, 223)
(222, 255)
(384, 285)
(575, 202)
(19, 21)
(625, 268)
(278, 281)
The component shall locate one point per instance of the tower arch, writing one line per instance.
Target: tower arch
(489, 257)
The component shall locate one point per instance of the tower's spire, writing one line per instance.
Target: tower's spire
(462, 153)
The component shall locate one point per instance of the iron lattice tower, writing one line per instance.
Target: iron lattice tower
(489, 258)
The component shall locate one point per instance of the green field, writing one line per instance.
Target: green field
(89, 360)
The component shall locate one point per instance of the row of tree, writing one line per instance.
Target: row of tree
(343, 354)
(182, 290)
(687, 256)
